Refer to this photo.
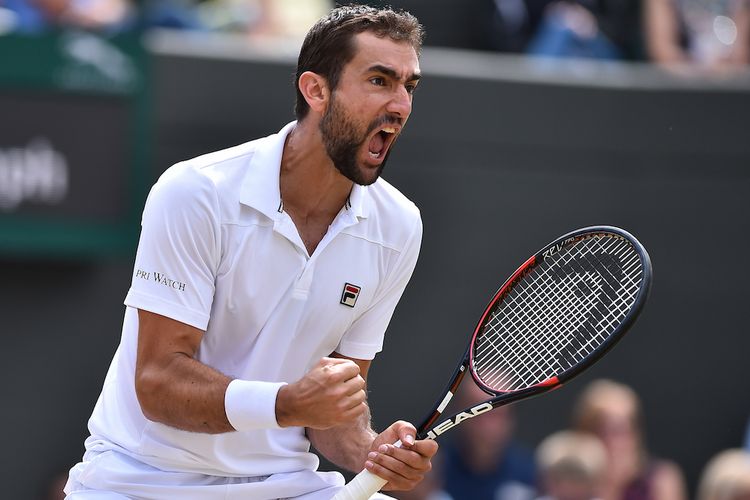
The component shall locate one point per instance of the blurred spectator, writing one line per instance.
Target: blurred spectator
(289, 18)
(726, 477)
(261, 18)
(598, 29)
(482, 460)
(258, 18)
(172, 14)
(571, 466)
(429, 489)
(39, 16)
(605, 29)
(713, 34)
(513, 23)
(611, 411)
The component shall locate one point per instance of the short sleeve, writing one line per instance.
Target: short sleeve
(364, 339)
(179, 248)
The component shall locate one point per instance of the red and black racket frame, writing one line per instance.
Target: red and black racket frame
(428, 430)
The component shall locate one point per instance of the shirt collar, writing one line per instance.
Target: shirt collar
(260, 188)
(358, 201)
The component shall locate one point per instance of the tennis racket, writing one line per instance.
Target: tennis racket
(557, 315)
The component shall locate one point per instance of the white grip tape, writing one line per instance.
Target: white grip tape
(363, 486)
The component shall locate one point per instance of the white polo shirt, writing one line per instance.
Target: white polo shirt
(217, 252)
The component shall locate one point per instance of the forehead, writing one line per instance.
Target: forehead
(371, 50)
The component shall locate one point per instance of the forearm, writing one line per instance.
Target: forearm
(185, 394)
(662, 33)
(345, 445)
(741, 48)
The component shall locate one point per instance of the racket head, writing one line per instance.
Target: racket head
(576, 298)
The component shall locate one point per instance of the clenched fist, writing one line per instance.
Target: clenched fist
(332, 393)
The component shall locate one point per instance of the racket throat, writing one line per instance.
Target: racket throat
(458, 418)
(434, 415)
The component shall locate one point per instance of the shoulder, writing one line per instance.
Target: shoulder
(389, 201)
(394, 218)
(218, 168)
(210, 179)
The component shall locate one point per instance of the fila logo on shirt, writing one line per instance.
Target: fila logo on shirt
(350, 294)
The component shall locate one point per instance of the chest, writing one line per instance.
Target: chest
(270, 293)
(311, 230)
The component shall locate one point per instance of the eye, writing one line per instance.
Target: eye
(377, 80)
(411, 87)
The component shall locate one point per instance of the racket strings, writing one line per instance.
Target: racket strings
(558, 313)
(555, 313)
(546, 323)
(518, 346)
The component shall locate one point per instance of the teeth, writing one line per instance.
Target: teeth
(374, 155)
(389, 130)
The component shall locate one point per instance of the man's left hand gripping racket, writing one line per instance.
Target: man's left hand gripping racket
(558, 314)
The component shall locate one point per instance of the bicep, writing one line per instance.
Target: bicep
(161, 339)
(172, 387)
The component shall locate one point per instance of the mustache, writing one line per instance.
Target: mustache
(384, 120)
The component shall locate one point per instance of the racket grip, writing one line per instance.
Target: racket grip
(363, 486)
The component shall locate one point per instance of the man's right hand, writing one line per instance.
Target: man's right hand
(330, 394)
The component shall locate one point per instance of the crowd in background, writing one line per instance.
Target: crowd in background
(710, 34)
(713, 34)
(603, 454)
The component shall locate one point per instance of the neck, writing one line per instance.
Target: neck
(310, 183)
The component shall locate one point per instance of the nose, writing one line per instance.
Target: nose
(400, 103)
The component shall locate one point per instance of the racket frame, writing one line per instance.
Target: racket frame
(426, 430)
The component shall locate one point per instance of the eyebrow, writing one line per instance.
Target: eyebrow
(390, 72)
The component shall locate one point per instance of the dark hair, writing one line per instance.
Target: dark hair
(329, 45)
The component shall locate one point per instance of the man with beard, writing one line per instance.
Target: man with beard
(265, 278)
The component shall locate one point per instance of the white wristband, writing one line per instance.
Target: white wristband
(251, 405)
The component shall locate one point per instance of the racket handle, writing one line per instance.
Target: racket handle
(364, 485)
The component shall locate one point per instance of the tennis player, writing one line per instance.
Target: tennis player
(265, 278)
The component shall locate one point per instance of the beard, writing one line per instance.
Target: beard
(342, 139)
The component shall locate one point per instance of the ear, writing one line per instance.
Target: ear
(314, 89)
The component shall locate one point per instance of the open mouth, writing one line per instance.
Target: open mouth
(381, 141)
